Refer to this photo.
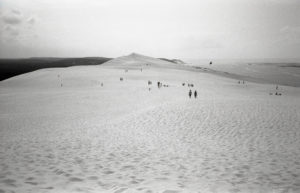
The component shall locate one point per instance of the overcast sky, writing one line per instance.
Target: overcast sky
(160, 28)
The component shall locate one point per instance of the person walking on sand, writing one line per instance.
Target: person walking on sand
(190, 93)
(195, 94)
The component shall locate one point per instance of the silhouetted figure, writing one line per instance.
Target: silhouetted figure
(183, 84)
(243, 82)
(210, 63)
(149, 82)
(190, 93)
(195, 94)
(159, 84)
(121, 79)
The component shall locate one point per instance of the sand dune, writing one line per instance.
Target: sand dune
(281, 73)
(61, 131)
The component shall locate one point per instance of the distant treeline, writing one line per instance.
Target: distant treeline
(175, 61)
(14, 67)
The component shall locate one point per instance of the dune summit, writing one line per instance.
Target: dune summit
(138, 60)
(110, 128)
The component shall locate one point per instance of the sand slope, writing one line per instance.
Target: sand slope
(279, 73)
(61, 131)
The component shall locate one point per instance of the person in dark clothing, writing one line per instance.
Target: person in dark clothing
(195, 94)
(190, 93)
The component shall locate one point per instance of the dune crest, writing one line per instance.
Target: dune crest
(138, 60)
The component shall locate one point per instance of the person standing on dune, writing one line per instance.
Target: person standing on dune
(195, 94)
(190, 93)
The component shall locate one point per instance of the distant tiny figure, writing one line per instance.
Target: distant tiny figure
(190, 93)
(243, 82)
(195, 94)
(159, 84)
(239, 82)
(121, 79)
(101, 83)
(210, 63)
(183, 84)
(149, 82)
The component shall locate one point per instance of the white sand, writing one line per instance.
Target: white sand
(280, 73)
(121, 137)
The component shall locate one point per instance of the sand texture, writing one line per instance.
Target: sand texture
(81, 129)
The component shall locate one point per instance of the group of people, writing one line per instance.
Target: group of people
(277, 93)
(191, 93)
(159, 84)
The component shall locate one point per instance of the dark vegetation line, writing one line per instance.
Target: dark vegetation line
(175, 61)
(14, 67)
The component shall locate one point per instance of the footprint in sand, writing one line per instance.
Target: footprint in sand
(108, 172)
(170, 191)
(9, 182)
(120, 190)
(75, 179)
(32, 183)
(92, 178)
